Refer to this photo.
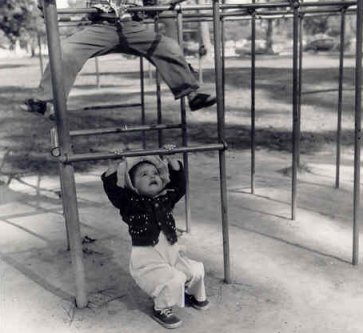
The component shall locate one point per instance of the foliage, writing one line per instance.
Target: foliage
(20, 18)
(316, 25)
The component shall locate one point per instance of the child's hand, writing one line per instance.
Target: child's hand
(169, 146)
(174, 164)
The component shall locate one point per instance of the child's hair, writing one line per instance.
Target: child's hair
(134, 169)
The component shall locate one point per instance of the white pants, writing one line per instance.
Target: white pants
(165, 273)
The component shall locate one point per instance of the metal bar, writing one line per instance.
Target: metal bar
(305, 11)
(340, 99)
(158, 94)
(40, 54)
(125, 129)
(208, 7)
(300, 66)
(253, 102)
(229, 16)
(184, 130)
(328, 3)
(223, 63)
(54, 143)
(131, 153)
(69, 198)
(295, 109)
(357, 132)
(268, 16)
(221, 138)
(97, 67)
(288, 4)
(106, 106)
(142, 101)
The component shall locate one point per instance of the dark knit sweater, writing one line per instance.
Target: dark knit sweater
(146, 216)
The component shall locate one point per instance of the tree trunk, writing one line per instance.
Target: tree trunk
(269, 33)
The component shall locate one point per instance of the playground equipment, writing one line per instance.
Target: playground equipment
(67, 157)
(216, 13)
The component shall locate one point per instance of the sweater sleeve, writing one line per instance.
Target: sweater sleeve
(117, 195)
(177, 183)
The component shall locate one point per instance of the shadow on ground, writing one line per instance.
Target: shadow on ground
(27, 136)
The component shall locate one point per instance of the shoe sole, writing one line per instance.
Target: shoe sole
(200, 308)
(176, 325)
(195, 306)
(206, 105)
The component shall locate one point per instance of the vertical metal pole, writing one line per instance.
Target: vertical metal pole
(40, 54)
(150, 73)
(142, 101)
(97, 67)
(54, 142)
(340, 98)
(200, 55)
(253, 100)
(357, 131)
(200, 66)
(295, 108)
(221, 137)
(158, 93)
(223, 61)
(37, 190)
(301, 18)
(66, 170)
(184, 129)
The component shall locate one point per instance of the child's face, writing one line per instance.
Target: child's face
(147, 180)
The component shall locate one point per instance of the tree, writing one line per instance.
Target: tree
(316, 25)
(20, 19)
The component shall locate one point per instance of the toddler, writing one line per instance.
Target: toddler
(145, 190)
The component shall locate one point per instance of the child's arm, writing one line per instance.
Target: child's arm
(177, 179)
(111, 169)
(116, 194)
(174, 164)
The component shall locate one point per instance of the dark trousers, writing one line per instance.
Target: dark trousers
(129, 37)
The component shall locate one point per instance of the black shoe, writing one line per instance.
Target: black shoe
(38, 107)
(200, 101)
(192, 301)
(166, 318)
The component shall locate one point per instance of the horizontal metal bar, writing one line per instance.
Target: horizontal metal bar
(198, 17)
(73, 11)
(106, 106)
(133, 153)
(304, 11)
(328, 3)
(65, 11)
(287, 4)
(268, 16)
(124, 129)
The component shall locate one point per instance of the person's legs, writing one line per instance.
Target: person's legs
(157, 278)
(170, 25)
(163, 52)
(152, 273)
(194, 272)
(171, 31)
(92, 41)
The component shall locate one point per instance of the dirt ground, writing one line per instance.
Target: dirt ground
(287, 275)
